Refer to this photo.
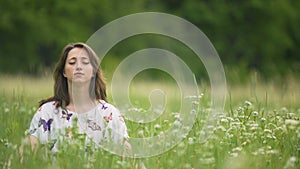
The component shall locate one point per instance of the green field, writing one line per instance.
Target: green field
(260, 128)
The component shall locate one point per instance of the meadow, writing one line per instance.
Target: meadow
(260, 128)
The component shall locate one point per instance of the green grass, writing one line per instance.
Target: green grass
(260, 128)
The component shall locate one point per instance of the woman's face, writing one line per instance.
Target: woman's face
(78, 68)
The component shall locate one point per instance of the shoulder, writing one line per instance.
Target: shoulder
(47, 107)
(107, 106)
(108, 109)
(111, 113)
(46, 111)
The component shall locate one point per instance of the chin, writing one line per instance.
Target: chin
(79, 81)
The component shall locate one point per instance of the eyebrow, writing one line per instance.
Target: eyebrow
(82, 57)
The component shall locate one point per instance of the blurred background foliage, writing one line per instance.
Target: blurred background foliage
(250, 36)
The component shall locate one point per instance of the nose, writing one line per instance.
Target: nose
(78, 66)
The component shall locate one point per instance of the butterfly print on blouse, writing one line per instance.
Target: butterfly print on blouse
(121, 119)
(104, 107)
(46, 124)
(30, 131)
(66, 115)
(93, 125)
(107, 119)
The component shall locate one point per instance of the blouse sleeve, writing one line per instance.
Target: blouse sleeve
(118, 126)
(40, 125)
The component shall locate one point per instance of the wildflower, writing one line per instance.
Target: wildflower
(248, 103)
(253, 125)
(195, 102)
(241, 117)
(291, 162)
(268, 131)
(284, 109)
(177, 123)
(158, 111)
(255, 113)
(161, 134)
(229, 118)
(181, 145)
(240, 109)
(272, 152)
(141, 133)
(191, 97)
(157, 126)
(6, 110)
(176, 115)
(190, 140)
(245, 143)
(234, 154)
(291, 122)
(193, 112)
(223, 120)
(253, 128)
(237, 149)
(236, 123)
(209, 160)
(221, 128)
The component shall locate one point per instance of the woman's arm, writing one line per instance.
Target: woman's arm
(33, 141)
(128, 151)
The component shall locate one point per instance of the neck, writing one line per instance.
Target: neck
(80, 99)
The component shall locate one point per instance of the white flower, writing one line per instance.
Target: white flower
(157, 126)
(290, 163)
(221, 128)
(195, 102)
(248, 103)
(268, 131)
(177, 123)
(255, 113)
(141, 133)
(291, 122)
(191, 97)
(190, 140)
(6, 110)
(177, 115)
(223, 120)
(193, 112)
(234, 154)
(237, 149)
(272, 152)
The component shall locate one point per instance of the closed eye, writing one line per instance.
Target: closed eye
(85, 60)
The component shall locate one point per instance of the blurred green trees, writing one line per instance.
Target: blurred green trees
(248, 35)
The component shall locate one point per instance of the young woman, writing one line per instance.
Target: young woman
(79, 101)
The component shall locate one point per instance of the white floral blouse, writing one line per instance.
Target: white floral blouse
(104, 122)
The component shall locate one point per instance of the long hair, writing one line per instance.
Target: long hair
(97, 89)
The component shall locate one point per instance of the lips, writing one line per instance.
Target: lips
(78, 73)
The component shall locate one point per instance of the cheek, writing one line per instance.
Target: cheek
(68, 70)
(89, 68)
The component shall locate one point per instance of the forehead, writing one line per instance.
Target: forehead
(77, 52)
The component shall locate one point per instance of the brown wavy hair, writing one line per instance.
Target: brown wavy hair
(61, 93)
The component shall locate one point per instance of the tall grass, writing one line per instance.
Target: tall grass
(260, 128)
